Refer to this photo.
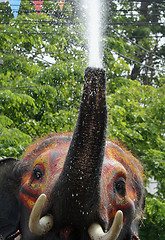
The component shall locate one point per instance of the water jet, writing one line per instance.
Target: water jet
(92, 10)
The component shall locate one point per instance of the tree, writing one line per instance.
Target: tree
(135, 32)
(38, 97)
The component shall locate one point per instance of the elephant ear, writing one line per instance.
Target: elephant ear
(9, 206)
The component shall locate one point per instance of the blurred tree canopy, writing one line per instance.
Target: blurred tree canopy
(41, 83)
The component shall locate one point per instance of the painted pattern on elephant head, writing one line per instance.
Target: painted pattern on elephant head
(45, 170)
(121, 184)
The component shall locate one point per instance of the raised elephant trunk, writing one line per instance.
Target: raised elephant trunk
(83, 165)
(86, 151)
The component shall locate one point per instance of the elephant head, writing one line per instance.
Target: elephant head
(74, 187)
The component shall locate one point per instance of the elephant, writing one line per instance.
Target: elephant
(74, 187)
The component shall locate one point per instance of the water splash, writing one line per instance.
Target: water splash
(92, 9)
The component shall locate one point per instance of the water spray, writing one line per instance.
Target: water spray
(92, 10)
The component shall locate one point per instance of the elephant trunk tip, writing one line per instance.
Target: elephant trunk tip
(94, 69)
(94, 72)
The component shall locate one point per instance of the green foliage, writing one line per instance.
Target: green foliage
(37, 97)
(12, 140)
(17, 106)
(155, 217)
(138, 115)
(131, 35)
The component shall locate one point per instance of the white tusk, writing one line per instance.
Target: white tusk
(96, 233)
(36, 225)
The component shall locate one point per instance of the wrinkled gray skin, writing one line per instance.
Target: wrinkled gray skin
(73, 200)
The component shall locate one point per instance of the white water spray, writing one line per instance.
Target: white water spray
(93, 21)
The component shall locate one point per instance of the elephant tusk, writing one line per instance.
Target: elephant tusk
(96, 233)
(37, 225)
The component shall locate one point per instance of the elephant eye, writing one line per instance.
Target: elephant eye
(120, 186)
(38, 172)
